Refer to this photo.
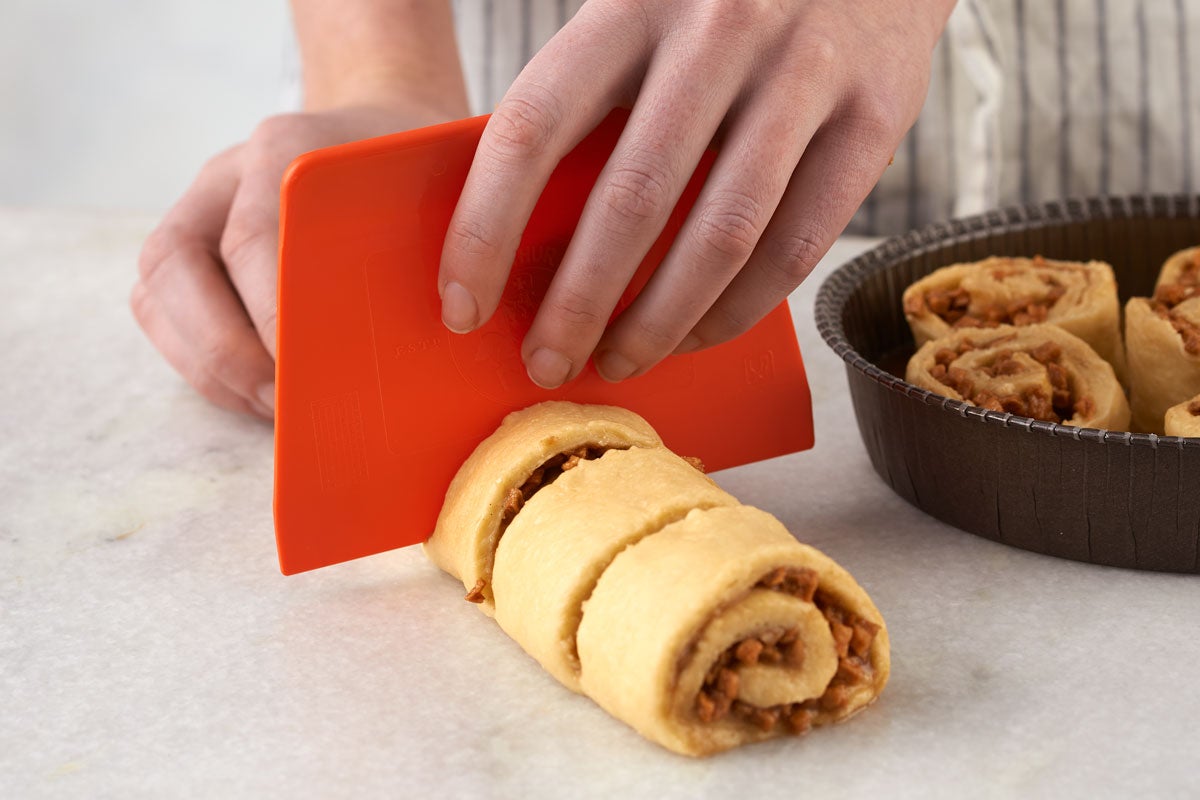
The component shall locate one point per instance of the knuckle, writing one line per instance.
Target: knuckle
(238, 241)
(158, 247)
(738, 15)
(791, 257)
(238, 247)
(217, 353)
(471, 235)
(878, 118)
(522, 126)
(718, 18)
(724, 321)
(579, 311)
(276, 140)
(276, 127)
(206, 383)
(821, 55)
(730, 226)
(637, 191)
(140, 303)
(654, 339)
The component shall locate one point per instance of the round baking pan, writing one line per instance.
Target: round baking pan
(1105, 497)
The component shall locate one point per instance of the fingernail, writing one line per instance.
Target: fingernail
(690, 342)
(614, 367)
(459, 311)
(266, 396)
(548, 368)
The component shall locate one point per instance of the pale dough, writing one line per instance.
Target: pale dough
(1161, 372)
(1174, 268)
(1089, 307)
(632, 576)
(694, 575)
(1180, 421)
(1090, 376)
(555, 550)
(468, 527)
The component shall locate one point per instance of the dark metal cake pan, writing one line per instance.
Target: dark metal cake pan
(1106, 497)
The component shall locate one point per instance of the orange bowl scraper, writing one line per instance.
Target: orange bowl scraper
(378, 404)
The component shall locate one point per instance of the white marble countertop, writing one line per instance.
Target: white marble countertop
(150, 647)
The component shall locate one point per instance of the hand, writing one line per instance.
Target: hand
(206, 285)
(808, 98)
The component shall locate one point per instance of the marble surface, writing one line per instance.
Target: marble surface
(150, 647)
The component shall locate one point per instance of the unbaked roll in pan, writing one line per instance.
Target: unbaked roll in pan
(632, 578)
(1179, 277)
(1037, 371)
(1183, 419)
(1079, 297)
(1162, 341)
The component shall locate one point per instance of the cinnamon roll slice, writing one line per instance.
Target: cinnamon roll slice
(1078, 297)
(634, 579)
(722, 630)
(1037, 371)
(1183, 419)
(1162, 341)
(529, 450)
(556, 549)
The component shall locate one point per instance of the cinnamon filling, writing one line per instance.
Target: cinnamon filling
(539, 479)
(852, 636)
(1188, 331)
(1060, 405)
(1185, 287)
(542, 477)
(954, 305)
(476, 594)
(1194, 408)
(1167, 296)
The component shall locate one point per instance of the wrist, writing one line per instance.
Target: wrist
(380, 53)
(389, 88)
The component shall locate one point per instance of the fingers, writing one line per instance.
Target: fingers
(535, 125)
(683, 97)
(187, 306)
(724, 227)
(222, 347)
(675, 118)
(249, 244)
(797, 162)
(837, 171)
(178, 354)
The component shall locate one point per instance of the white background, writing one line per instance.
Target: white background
(117, 103)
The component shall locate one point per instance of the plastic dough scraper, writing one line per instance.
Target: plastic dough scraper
(378, 404)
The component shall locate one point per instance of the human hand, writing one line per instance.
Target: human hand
(205, 294)
(808, 98)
